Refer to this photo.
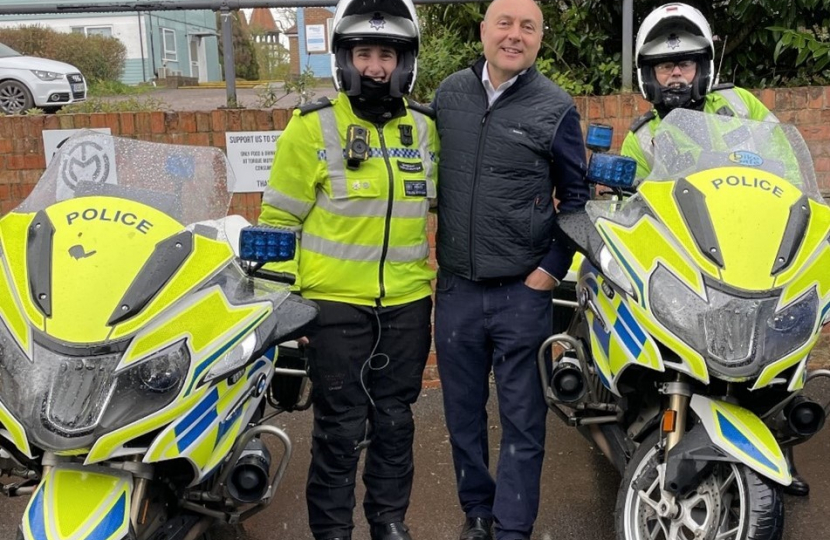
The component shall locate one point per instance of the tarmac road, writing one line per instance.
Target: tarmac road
(578, 490)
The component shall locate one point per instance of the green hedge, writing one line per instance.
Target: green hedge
(98, 58)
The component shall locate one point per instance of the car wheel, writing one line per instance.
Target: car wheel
(15, 98)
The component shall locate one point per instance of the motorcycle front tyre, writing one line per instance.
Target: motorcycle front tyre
(758, 516)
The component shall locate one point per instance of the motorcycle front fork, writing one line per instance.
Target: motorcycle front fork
(679, 392)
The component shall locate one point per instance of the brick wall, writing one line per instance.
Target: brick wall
(22, 160)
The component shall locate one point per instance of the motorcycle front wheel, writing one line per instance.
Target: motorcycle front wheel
(733, 503)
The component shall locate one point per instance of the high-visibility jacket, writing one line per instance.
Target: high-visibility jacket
(361, 231)
(727, 100)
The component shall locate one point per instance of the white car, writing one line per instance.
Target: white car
(29, 81)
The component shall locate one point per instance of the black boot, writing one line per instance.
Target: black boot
(799, 486)
(476, 528)
(390, 531)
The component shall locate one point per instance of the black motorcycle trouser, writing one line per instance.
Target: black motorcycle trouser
(366, 366)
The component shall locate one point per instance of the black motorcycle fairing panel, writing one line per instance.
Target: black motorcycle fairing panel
(692, 203)
(581, 234)
(793, 234)
(691, 460)
(166, 259)
(39, 261)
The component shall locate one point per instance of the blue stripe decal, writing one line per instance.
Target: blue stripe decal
(632, 325)
(207, 403)
(226, 424)
(222, 350)
(197, 430)
(256, 367)
(631, 271)
(36, 518)
(740, 440)
(633, 347)
(603, 337)
(824, 312)
(112, 521)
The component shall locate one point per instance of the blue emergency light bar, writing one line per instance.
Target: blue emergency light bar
(266, 244)
(599, 137)
(612, 170)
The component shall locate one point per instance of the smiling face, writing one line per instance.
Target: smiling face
(376, 62)
(511, 34)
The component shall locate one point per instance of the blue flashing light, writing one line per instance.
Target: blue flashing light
(599, 137)
(612, 170)
(266, 244)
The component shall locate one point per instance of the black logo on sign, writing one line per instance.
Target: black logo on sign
(86, 162)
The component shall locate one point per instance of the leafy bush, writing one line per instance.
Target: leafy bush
(96, 105)
(98, 58)
(116, 88)
(244, 53)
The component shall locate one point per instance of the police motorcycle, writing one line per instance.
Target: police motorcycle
(699, 299)
(138, 336)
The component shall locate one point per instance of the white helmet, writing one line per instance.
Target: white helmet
(674, 32)
(388, 22)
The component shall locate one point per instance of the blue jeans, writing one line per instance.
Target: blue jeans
(496, 325)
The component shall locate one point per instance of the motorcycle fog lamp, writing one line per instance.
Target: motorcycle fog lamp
(266, 244)
(233, 360)
(611, 269)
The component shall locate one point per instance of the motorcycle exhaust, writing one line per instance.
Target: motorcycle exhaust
(567, 382)
(249, 480)
(804, 416)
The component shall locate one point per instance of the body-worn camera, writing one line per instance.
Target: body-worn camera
(357, 146)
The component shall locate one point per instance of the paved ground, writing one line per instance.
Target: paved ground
(578, 492)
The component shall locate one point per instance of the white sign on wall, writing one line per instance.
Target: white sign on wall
(250, 154)
(315, 38)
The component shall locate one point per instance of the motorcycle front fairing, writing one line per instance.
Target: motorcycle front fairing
(117, 320)
(718, 267)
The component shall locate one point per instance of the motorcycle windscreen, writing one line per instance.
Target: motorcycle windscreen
(74, 503)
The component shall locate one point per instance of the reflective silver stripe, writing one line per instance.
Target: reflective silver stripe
(423, 145)
(356, 207)
(735, 101)
(351, 252)
(334, 152)
(770, 118)
(282, 201)
(644, 137)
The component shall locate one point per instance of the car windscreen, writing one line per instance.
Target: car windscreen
(5, 51)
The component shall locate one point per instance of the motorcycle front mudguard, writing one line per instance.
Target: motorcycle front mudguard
(726, 432)
(79, 503)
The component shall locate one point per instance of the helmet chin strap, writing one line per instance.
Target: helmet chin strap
(675, 97)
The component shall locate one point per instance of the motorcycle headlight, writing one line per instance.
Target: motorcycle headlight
(147, 387)
(737, 335)
(788, 329)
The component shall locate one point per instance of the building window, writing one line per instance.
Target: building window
(105, 31)
(168, 38)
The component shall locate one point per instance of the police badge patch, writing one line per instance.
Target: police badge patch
(673, 42)
(377, 22)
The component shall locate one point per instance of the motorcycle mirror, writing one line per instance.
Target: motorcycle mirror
(262, 244)
(612, 170)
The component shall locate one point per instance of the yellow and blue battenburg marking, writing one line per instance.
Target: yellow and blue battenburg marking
(741, 434)
(622, 341)
(75, 504)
